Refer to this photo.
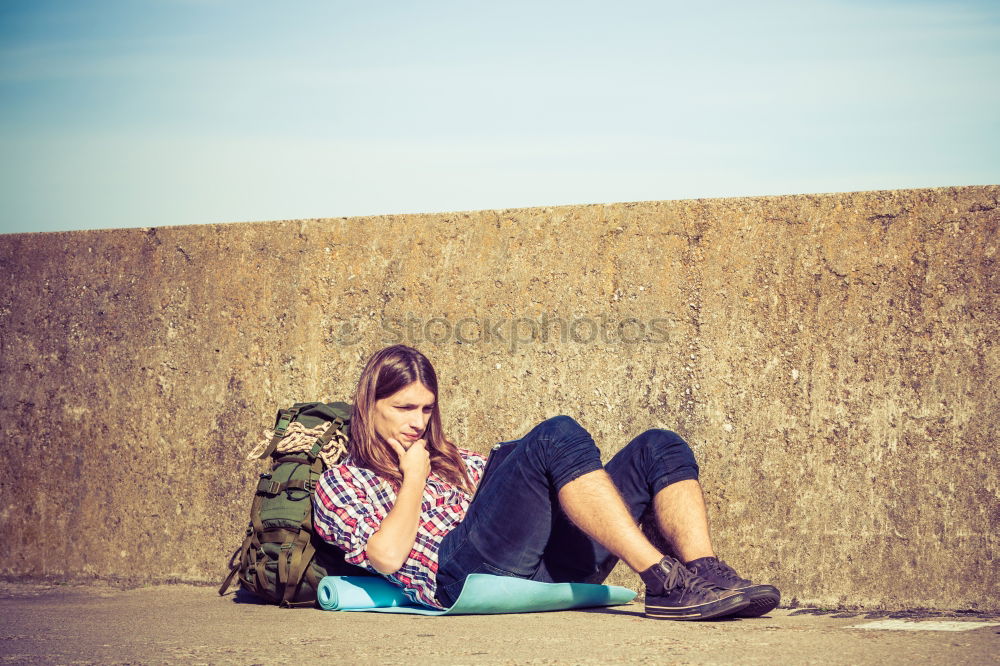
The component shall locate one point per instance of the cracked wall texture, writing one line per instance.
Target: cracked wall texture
(832, 359)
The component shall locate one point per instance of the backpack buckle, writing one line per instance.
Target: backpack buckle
(285, 418)
(267, 486)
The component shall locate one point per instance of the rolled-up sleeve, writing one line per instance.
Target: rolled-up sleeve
(474, 463)
(344, 515)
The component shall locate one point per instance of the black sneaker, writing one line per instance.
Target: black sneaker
(763, 598)
(674, 593)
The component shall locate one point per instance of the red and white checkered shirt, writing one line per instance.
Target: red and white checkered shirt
(351, 503)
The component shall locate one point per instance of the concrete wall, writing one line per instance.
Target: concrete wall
(833, 360)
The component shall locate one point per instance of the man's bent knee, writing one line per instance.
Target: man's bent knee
(673, 453)
(563, 448)
(561, 427)
(664, 440)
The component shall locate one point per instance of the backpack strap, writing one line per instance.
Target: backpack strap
(256, 565)
(335, 426)
(267, 486)
(303, 549)
(237, 563)
(250, 545)
(281, 423)
(312, 578)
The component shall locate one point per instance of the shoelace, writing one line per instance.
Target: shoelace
(689, 581)
(726, 572)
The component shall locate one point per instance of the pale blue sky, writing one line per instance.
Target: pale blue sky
(127, 113)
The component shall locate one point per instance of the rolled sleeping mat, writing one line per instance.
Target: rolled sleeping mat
(482, 594)
(359, 593)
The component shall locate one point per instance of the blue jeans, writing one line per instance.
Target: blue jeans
(515, 526)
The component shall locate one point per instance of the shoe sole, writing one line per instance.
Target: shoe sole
(719, 608)
(761, 601)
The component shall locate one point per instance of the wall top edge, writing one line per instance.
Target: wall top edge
(902, 192)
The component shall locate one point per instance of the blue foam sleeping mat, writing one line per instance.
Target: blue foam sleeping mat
(482, 594)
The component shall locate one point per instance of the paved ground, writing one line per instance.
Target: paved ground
(41, 623)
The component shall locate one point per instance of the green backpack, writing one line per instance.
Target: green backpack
(282, 559)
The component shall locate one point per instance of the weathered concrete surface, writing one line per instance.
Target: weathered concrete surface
(186, 624)
(832, 358)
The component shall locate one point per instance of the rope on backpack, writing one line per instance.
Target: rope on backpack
(299, 439)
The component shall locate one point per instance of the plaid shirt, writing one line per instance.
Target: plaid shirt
(352, 502)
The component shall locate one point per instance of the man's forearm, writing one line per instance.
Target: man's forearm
(388, 548)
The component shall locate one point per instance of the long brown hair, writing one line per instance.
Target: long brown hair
(388, 371)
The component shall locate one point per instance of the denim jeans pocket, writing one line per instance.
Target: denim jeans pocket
(488, 568)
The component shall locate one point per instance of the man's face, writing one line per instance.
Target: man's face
(403, 415)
